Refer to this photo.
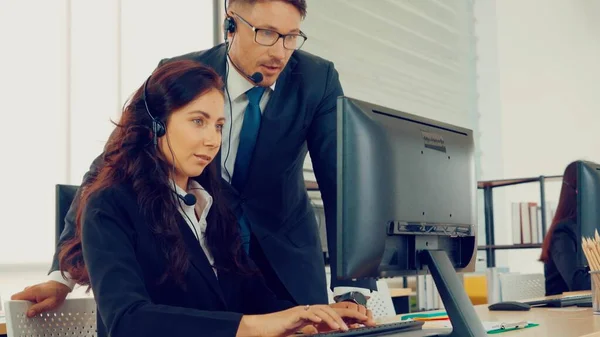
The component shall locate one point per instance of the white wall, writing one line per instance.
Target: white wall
(412, 56)
(129, 38)
(67, 68)
(545, 74)
(34, 98)
(488, 113)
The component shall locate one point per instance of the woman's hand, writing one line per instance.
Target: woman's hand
(352, 324)
(357, 307)
(287, 322)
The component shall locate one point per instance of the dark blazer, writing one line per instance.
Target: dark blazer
(125, 263)
(561, 271)
(299, 117)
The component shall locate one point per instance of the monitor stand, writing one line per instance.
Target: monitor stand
(465, 322)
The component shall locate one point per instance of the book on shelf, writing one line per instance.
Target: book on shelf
(427, 294)
(311, 184)
(527, 221)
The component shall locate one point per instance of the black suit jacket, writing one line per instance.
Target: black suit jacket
(561, 272)
(300, 117)
(125, 263)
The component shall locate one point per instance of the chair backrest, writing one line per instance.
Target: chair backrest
(64, 197)
(380, 302)
(516, 287)
(75, 317)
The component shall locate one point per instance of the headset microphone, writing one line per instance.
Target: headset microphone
(256, 77)
(188, 199)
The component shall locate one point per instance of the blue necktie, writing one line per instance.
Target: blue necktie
(248, 135)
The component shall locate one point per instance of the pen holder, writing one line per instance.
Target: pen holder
(595, 276)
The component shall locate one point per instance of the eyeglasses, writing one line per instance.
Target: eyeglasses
(268, 37)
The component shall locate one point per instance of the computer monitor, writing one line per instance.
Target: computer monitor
(588, 201)
(406, 202)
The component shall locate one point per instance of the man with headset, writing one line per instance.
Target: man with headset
(281, 103)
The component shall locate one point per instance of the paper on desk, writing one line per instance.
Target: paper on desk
(490, 327)
(568, 309)
(499, 326)
(426, 316)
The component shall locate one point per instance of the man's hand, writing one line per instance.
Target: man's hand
(45, 296)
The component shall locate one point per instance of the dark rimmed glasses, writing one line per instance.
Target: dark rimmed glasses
(268, 37)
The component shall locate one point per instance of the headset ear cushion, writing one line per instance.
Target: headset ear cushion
(159, 128)
(229, 25)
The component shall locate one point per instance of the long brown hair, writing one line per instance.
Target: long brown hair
(130, 157)
(566, 209)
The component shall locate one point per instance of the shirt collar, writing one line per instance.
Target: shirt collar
(238, 84)
(203, 201)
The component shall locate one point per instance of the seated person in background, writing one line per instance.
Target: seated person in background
(561, 244)
(154, 239)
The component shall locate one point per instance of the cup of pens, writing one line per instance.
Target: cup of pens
(595, 276)
(591, 249)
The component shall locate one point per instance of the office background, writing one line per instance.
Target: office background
(522, 74)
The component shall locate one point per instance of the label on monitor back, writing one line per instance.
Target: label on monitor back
(418, 228)
(434, 141)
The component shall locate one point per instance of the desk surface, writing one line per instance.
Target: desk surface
(563, 322)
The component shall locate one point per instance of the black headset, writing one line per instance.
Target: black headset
(158, 127)
(228, 26)
(571, 186)
(159, 130)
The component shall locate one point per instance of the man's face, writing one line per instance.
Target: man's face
(251, 56)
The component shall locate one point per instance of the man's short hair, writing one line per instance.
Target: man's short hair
(299, 4)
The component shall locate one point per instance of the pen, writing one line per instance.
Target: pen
(517, 325)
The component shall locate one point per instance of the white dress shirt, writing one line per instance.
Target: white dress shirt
(237, 85)
(195, 215)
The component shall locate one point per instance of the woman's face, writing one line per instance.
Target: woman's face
(193, 136)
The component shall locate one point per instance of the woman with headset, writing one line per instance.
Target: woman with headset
(562, 242)
(155, 242)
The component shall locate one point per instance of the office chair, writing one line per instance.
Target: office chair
(64, 197)
(516, 286)
(74, 317)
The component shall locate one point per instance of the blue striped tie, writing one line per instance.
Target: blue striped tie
(248, 136)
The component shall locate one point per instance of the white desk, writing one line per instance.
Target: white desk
(553, 322)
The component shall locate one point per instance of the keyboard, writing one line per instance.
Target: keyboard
(562, 301)
(379, 330)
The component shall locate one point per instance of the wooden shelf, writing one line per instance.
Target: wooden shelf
(401, 292)
(517, 181)
(506, 247)
(313, 186)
